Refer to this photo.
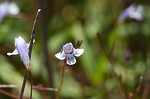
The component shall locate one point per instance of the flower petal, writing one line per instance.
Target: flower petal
(68, 48)
(13, 9)
(60, 55)
(25, 59)
(22, 49)
(15, 52)
(21, 46)
(78, 52)
(71, 60)
(3, 10)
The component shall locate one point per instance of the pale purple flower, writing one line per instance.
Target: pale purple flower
(68, 52)
(7, 8)
(22, 49)
(133, 11)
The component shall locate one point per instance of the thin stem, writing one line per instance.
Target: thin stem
(31, 84)
(111, 66)
(138, 89)
(61, 82)
(8, 86)
(8, 94)
(33, 32)
(23, 84)
(146, 88)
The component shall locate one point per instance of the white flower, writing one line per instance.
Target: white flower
(133, 11)
(68, 52)
(22, 50)
(7, 8)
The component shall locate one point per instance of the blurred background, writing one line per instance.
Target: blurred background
(115, 64)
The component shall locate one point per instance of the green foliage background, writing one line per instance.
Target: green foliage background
(70, 21)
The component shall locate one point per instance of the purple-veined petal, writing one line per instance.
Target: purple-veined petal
(25, 59)
(60, 55)
(68, 48)
(78, 52)
(21, 46)
(22, 49)
(71, 60)
(15, 52)
(68, 52)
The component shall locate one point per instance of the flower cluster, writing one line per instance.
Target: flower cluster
(68, 52)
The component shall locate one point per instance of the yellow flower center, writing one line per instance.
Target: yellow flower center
(67, 50)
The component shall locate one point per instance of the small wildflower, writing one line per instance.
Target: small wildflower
(22, 49)
(133, 11)
(68, 52)
(7, 8)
